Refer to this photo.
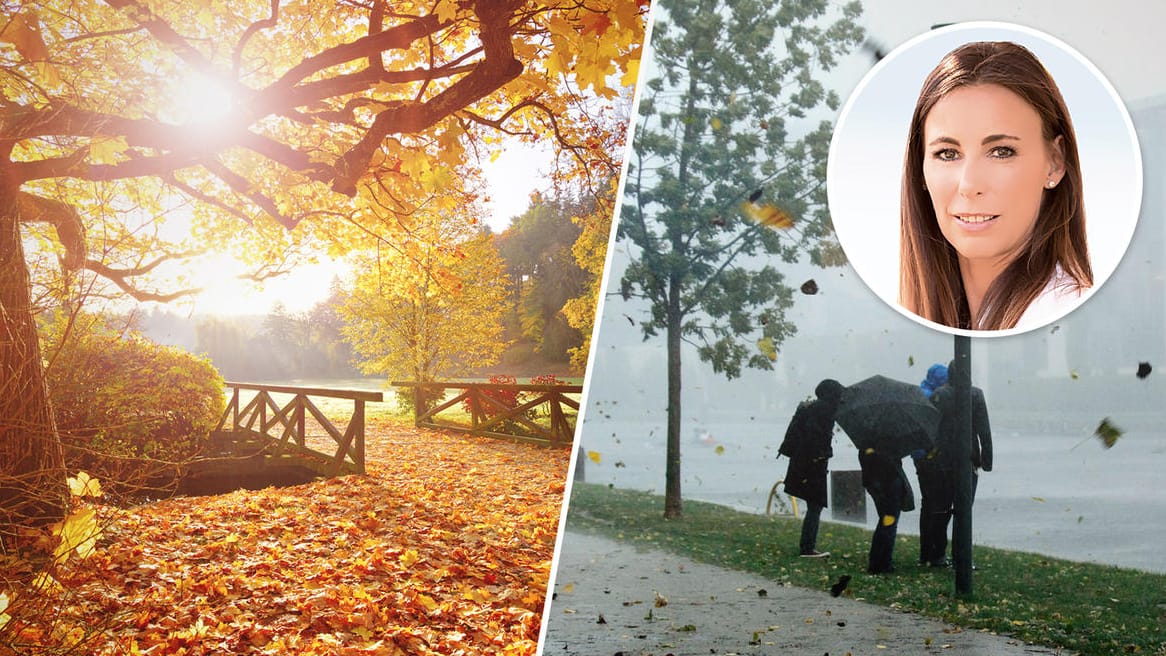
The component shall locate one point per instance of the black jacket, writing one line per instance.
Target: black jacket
(944, 399)
(807, 444)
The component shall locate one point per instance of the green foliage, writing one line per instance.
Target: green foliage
(1083, 607)
(736, 79)
(121, 398)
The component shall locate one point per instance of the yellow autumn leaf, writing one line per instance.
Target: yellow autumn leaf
(767, 348)
(594, 456)
(44, 582)
(79, 532)
(888, 520)
(23, 32)
(107, 150)
(427, 602)
(631, 74)
(720, 449)
(477, 595)
(83, 485)
(446, 10)
(4, 616)
(716, 123)
(569, 588)
(409, 558)
(767, 215)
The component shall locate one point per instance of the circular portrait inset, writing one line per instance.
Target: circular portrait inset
(984, 179)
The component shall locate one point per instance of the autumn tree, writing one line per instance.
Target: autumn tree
(719, 149)
(136, 132)
(433, 310)
(544, 274)
(590, 252)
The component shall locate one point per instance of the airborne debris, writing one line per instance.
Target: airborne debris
(1144, 370)
(810, 287)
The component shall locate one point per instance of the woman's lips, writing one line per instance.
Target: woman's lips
(975, 222)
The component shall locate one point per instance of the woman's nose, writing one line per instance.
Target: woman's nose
(971, 182)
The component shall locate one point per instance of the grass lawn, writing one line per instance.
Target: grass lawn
(1087, 608)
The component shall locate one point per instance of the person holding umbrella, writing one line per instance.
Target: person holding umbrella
(807, 444)
(981, 454)
(886, 482)
(887, 419)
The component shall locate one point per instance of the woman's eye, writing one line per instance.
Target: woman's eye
(1002, 152)
(946, 154)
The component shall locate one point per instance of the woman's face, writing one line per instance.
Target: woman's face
(987, 164)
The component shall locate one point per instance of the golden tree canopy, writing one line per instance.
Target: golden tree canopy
(285, 121)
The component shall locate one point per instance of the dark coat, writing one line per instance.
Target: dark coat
(944, 399)
(884, 478)
(807, 444)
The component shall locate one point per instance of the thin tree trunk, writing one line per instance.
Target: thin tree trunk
(32, 476)
(672, 502)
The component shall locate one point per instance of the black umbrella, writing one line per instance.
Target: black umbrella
(888, 415)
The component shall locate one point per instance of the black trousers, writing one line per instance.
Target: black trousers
(810, 520)
(938, 490)
(888, 501)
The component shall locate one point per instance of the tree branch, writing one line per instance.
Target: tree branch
(118, 277)
(71, 233)
(242, 186)
(252, 30)
(497, 68)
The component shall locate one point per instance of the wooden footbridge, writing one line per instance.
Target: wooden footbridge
(541, 414)
(262, 428)
(272, 434)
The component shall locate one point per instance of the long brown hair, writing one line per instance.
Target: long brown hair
(929, 276)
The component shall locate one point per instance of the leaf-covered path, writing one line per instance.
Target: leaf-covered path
(444, 547)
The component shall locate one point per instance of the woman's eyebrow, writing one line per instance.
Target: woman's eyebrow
(998, 137)
(992, 138)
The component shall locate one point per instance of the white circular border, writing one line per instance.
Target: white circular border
(865, 166)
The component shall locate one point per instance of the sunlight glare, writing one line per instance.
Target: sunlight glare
(200, 99)
(224, 293)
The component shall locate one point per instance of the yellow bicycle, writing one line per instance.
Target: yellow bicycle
(786, 505)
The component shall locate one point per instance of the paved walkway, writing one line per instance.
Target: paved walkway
(612, 600)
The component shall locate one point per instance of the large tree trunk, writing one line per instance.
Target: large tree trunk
(672, 503)
(32, 476)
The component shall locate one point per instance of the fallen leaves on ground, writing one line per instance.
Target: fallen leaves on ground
(444, 547)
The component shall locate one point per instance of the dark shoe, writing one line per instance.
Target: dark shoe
(942, 562)
(815, 554)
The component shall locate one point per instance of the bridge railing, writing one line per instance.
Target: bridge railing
(542, 414)
(257, 425)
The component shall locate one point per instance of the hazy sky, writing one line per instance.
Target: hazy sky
(1123, 38)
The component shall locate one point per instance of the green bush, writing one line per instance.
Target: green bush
(123, 402)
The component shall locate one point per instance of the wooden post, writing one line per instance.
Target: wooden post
(358, 417)
(235, 410)
(558, 423)
(961, 531)
(300, 430)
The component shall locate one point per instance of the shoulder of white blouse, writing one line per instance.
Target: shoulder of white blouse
(1060, 295)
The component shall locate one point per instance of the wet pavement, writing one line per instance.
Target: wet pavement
(613, 600)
